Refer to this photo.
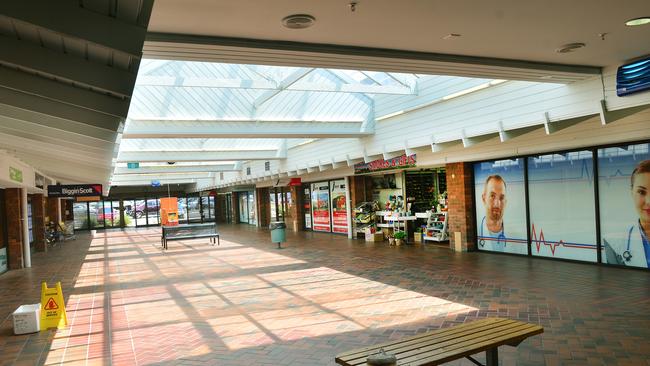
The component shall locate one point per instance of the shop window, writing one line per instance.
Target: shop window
(500, 199)
(562, 207)
(624, 202)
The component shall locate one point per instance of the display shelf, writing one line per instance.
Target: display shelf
(436, 228)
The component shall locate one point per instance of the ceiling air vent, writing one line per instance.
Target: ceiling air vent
(298, 21)
(570, 47)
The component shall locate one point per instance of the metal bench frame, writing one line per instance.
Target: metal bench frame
(214, 237)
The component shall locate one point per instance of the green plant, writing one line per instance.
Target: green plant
(399, 235)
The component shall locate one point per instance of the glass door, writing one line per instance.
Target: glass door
(306, 206)
(129, 213)
(153, 211)
(80, 213)
(95, 210)
(205, 208)
(320, 206)
(228, 208)
(243, 207)
(182, 210)
(252, 216)
(210, 215)
(140, 213)
(194, 209)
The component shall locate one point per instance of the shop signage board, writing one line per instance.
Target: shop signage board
(74, 190)
(295, 182)
(15, 174)
(155, 183)
(3, 260)
(400, 162)
(88, 199)
(339, 209)
(132, 165)
(320, 206)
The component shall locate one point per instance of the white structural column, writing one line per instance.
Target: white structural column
(27, 254)
(58, 210)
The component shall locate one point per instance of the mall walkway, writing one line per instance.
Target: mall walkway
(246, 303)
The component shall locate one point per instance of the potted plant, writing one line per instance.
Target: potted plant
(399, 237)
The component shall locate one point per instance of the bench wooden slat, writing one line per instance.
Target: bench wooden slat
(192, 236)
(448, 339)
(448, 344)
(413, 339)
(470, 346)
(438, 335)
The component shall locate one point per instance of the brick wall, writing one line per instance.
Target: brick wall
(295, 210)
(460, 184)
(235, 208)
(38, 222)
(14, 230)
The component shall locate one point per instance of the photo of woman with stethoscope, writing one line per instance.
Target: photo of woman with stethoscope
(634, 249)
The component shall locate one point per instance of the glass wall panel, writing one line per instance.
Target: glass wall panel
(153, 206)
(211, 212)
(624, 196)
(273, 204)
(252, 213)
(500, 201)
(96, 217)
(320, 202)
(562, 207)
(80, 212)
(193, 209)
(140, 213)
(205, 208)
(339, 206)
(182, 210)
(243, 207)
(129, 213)
(105, 214)
(116, 214)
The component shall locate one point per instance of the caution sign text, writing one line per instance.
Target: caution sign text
(52, 307)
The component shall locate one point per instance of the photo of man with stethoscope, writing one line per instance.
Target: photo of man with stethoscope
(634, 248)
(494, 200)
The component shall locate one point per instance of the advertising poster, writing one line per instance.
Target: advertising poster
(339, 208)
(624, 197)
(562, 206)
(501, 206)
(320, 208)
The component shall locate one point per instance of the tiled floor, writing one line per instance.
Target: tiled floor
(246, 303)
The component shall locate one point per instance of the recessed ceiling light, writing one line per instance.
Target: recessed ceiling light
(637, 21)
(298, 21)
(570, 47)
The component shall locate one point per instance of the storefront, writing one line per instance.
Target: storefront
(590, 205)
(246, 204)
(325, 206)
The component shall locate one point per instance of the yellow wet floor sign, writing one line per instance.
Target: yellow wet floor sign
(52, 307)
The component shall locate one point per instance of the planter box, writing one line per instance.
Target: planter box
(374, 237)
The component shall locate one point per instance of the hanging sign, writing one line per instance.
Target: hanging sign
(15, 174)
(295, 182)
(404, 161)
(132, 165)
(52, 307)
(74, 190)
(155, 183)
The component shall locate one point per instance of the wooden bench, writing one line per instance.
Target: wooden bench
(191, 231)
(444, 345)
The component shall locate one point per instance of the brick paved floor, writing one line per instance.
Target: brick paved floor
(246, 303)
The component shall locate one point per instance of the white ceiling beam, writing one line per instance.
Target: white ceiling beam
(189, 156)
(141, 129)
(60, 125)
(469, 141)
(159, 176)
(65, 93)
(249, 51)
(44, 133)
(39, 138)
(30, 57)
(176, 169)
(551, 127)
(53, 108)
(70, 19)
(284, 84)
(217, 83)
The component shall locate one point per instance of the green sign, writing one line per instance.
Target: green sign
(15, 174)
(132, 165)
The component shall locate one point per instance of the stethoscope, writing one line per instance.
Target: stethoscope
(626, 254)
(502, 235)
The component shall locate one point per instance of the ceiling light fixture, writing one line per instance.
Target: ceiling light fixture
(638, 21)
(298, 21)
(570, 47)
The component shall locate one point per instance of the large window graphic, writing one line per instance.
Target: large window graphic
(339, 207)
(562, 207)
(320, 197)
(624, 195)
(501, 206)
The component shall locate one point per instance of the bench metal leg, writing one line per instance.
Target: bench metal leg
(492, 357)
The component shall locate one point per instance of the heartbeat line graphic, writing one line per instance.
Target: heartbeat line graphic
(553, 245)
(585, 175)
(618, 174)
